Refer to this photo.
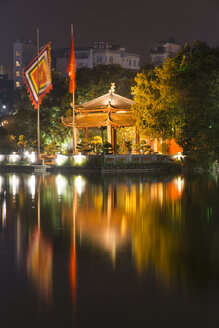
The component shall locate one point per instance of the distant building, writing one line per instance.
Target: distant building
(6, 70)
(5, 83)
(23, 54)
(160, 51)
(101, 53)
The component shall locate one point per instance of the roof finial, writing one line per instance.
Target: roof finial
(112, 89)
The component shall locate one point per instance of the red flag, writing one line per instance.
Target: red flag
(72, 68)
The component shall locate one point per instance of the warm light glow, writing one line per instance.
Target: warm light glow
(61, 183)
(14, 184)
(79, 159)
(179, 156)
(79, 184)
(32, 185)
(30, 156)
(61, 159)
(4, 214)
(1, 182)
(180, 184)
(14, 158)
(40, 264)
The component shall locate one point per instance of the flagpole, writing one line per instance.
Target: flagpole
(73, 107)
(38, 107)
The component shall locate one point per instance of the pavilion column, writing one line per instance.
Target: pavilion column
(76, 139)
(155, 145)
(86, 134)
(109, 133)
(115, 141)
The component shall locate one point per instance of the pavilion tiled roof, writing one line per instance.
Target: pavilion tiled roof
(109, 109)
(110, 99)
(101, 119)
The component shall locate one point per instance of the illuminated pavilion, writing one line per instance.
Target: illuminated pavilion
(110, 111)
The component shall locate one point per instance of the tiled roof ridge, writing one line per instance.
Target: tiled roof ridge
(109, 97)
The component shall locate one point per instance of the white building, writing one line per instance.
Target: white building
(101, 53)
(23, 54)
(160, 51)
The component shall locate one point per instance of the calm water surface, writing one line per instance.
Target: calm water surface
(111, 251)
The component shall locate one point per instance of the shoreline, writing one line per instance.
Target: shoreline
(164, 167)
(103, 169)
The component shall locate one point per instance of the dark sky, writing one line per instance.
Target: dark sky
(133, 24)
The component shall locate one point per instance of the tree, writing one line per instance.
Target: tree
(53, 106)
(179, 100)
(92, 83)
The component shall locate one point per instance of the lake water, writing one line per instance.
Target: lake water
(109, 251)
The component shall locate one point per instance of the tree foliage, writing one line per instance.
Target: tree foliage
(180, 100)
(93, 83)
(54, 105)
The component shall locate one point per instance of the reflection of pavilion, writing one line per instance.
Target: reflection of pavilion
(105, 224)
(98, 219)
(109, 111)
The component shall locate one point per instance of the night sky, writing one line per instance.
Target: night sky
(133, 24)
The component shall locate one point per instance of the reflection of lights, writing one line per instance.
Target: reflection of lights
(32, 185)
(1, 182)
(14, 157)
(61, 183)
(61, 159)
(123, 226)
(79, 184)
(4, 214)
(180, 184)
(79, 159)
(15, 184)
(40, 264)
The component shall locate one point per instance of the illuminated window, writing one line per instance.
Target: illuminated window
(18, 63)
(18, 53)
(18, 84)
(18, 73)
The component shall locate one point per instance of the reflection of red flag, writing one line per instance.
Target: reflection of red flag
(73, 272)
(72, 68)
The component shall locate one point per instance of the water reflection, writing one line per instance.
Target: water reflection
(40, 257)
(39, 264)
(165, 224)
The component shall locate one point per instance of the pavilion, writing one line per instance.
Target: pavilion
(109, 111)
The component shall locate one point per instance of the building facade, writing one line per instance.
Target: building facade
(101, 53)
(160, 51)
(23, 53)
